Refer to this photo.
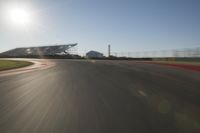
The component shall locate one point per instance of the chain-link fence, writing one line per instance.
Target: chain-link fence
(187, 52)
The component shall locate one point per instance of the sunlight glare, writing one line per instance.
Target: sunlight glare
(19, 15)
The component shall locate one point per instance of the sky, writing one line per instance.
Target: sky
(127, 25)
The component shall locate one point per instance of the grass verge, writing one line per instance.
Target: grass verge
(12, 64)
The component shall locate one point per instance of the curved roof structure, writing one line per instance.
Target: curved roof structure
(41, 50)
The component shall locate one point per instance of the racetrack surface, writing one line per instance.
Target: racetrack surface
(101, 97)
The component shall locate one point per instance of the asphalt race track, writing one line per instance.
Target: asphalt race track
(101, 97)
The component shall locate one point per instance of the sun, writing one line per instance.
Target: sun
(19, 15)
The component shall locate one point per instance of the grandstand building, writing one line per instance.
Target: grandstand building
(42, 51)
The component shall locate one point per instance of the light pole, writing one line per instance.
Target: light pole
(109, 50)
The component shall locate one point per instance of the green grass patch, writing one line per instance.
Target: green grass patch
(12, 64)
